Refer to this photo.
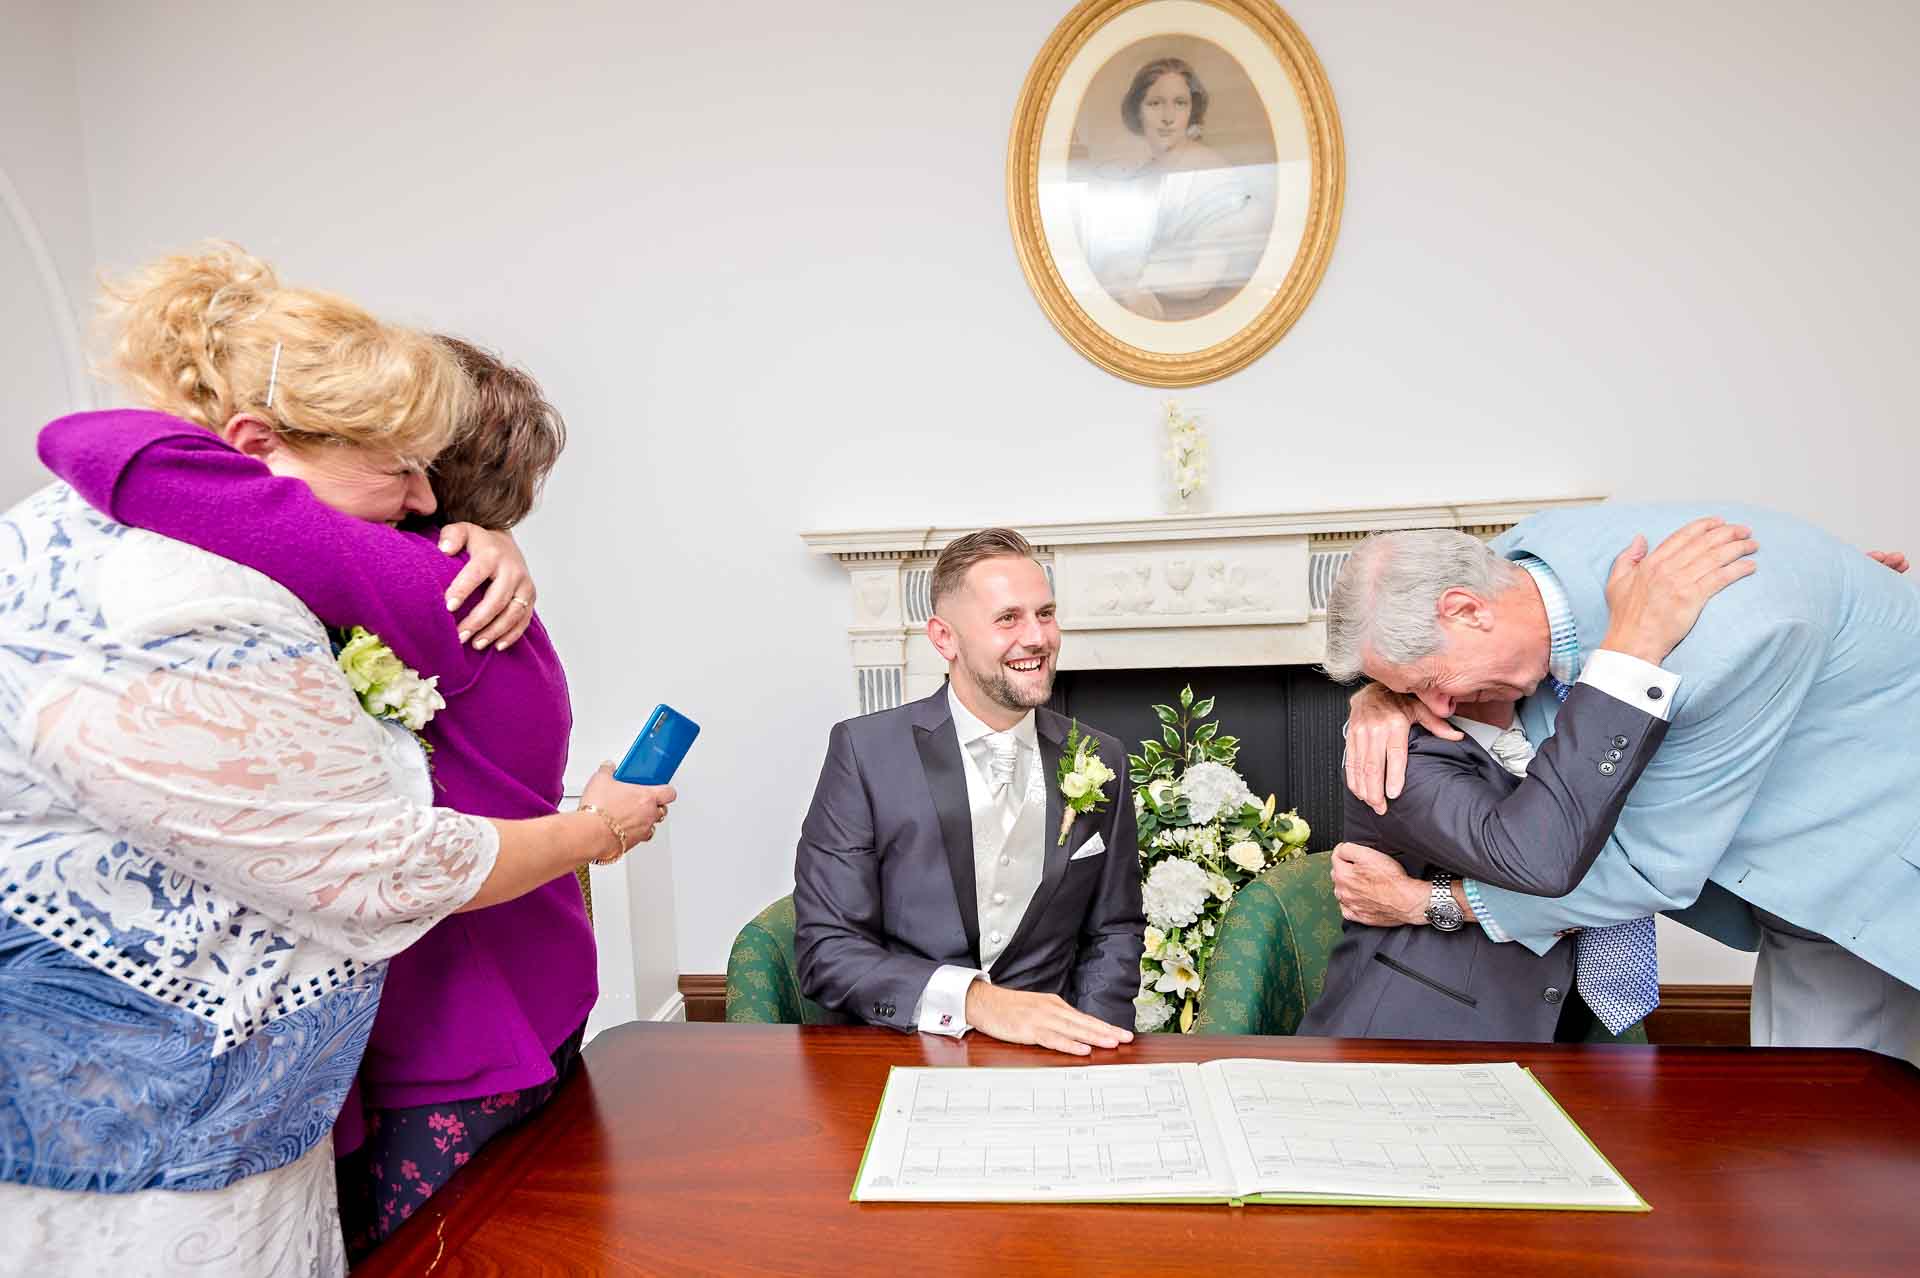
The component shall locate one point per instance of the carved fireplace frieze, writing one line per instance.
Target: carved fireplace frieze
(1170, 591)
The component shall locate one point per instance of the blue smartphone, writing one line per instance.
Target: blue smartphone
(657, 751)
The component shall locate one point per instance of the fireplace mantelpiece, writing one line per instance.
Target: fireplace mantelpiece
(1166, 591)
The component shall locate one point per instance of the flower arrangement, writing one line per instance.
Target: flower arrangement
(1203, 836)
(1186, 458)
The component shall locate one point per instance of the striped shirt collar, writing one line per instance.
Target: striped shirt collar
(1563, 646)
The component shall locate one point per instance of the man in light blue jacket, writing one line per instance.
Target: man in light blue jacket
(1783, 808)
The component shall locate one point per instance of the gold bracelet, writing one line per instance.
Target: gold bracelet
(612, 829)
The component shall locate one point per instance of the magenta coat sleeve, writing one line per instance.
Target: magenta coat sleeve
(148, 470)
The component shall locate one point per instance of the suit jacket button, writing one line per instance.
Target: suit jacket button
(1619, 743)
(1551, 994)
(1606, 769)
(1614, 755)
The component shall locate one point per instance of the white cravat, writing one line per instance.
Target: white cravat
(1513, 751)
(1003, 751)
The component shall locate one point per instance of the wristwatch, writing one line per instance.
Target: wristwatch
(1442, 910)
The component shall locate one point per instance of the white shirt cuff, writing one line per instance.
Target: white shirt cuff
(943, 1004)
(1640, 684)
(1481, 914)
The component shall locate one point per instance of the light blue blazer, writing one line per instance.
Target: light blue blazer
(1791, 775)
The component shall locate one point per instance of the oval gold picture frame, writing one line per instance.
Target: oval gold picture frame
(1092, 233)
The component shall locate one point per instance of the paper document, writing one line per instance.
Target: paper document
(1234, 1131)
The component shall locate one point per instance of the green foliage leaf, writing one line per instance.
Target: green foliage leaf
(1167, 716)
(1201, 709)
(1186, 697)
(1172, 739)
(1206, 733)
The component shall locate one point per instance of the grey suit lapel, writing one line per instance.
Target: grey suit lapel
(939, 747)
(1051, 730)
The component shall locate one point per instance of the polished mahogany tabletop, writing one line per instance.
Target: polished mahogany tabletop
(731, 1149)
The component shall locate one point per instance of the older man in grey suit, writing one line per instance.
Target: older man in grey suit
(1464, 811)
(940, 882)
(1486, 806)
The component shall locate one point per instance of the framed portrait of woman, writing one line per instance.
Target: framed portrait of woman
(1174, 180)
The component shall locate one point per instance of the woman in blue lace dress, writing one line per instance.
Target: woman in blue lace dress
(208, 848)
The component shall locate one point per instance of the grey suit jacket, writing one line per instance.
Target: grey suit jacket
(884, 880)
(1461, 811)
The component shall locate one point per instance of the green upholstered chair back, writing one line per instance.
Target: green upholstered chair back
(763, 984)
(1270, 961)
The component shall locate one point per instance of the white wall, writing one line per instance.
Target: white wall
(46, 238)
(759, 253)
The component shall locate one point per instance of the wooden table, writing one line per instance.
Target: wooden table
(731, 1149)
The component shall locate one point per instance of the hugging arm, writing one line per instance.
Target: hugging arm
(1691, 798)
(1540, 838)
(151, 471)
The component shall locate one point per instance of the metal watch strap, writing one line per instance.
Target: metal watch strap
(1443, 912)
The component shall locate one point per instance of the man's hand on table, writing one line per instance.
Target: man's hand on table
(1045, 1020)
(1374, 890)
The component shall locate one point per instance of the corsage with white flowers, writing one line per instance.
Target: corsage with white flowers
(388, 688)
(1081, 776)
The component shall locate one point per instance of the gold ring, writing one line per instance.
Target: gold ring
(523, 603)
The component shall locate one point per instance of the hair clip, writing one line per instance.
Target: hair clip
(273, 374)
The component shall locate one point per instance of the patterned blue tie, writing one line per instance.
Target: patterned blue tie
(1617, 968)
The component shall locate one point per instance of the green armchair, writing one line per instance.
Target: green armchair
(1270, 961)
(763, 984)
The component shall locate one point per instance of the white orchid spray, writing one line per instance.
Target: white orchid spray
(1186, 455)
(1202, 836)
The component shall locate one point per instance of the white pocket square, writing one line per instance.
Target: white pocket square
(1092, 847)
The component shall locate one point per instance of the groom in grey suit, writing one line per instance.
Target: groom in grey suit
(940, 883)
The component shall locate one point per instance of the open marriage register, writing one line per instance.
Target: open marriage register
(1235, 1131)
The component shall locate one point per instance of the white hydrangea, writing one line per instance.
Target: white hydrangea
(1150, 1012)
(1175, 892)
(1211, 789)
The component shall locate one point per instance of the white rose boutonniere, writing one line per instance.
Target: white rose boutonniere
(387, 687)
(1082, 775)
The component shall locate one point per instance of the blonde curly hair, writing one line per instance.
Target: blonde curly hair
(196, 335)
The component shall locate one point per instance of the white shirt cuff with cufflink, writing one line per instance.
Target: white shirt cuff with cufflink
(1640, 684)
(943, 1004)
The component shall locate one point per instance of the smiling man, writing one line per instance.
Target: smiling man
(933, 887)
